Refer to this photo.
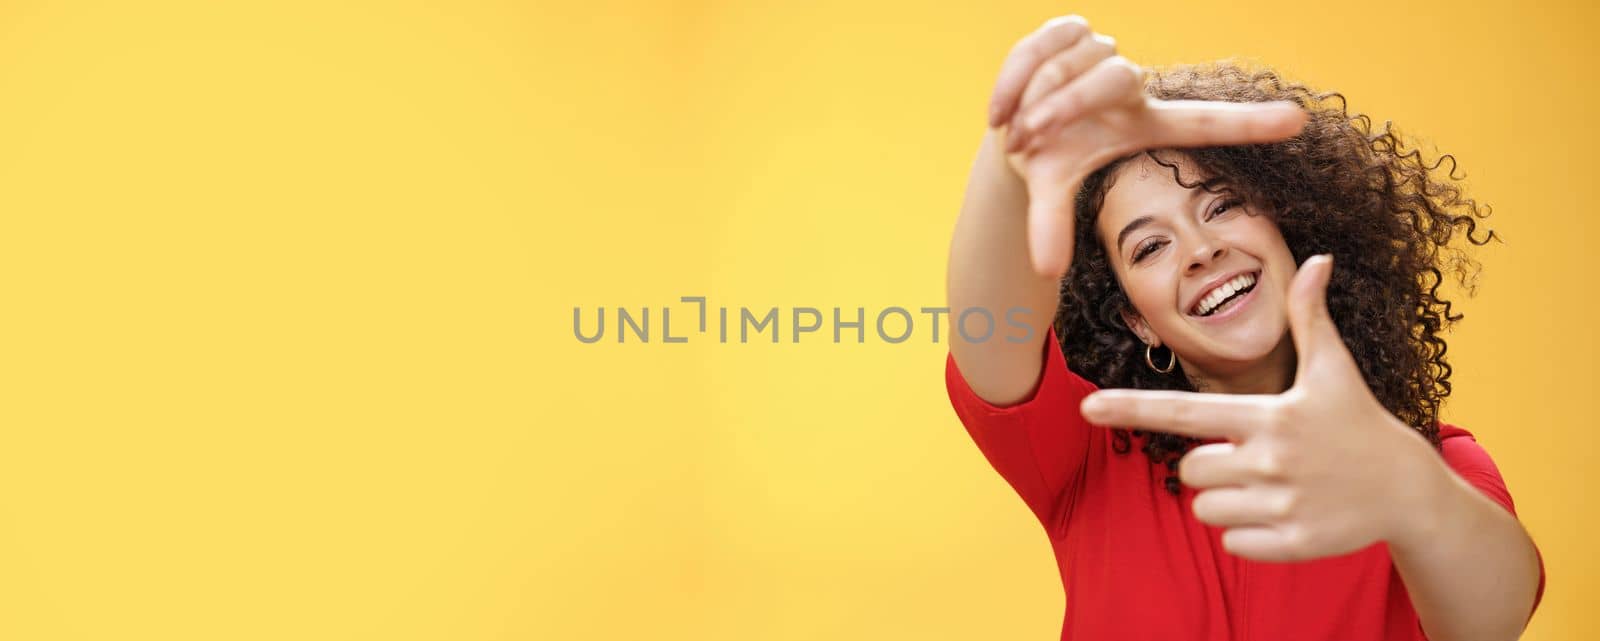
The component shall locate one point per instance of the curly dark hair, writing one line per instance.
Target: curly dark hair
(1387, 215)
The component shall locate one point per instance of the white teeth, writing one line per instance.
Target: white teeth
(1223, 291)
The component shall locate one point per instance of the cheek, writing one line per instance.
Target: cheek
(1151, 295)
(1274, 252)
(1259, 236)
(1261, 232)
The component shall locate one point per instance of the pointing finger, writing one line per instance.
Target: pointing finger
(1230, 416)
(1199, 123)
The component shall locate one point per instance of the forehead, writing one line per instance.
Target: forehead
(1142, 187)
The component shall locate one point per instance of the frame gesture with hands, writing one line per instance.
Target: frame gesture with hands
(1319, 470)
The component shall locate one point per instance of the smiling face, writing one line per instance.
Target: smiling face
(1207, 275)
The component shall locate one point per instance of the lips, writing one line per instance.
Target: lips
(1219, 291)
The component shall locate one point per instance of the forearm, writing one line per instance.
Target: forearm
(1468, 565)
(989, 269)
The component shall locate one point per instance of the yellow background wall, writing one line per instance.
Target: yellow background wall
(286, 349)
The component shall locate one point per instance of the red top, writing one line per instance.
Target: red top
(1134, 561)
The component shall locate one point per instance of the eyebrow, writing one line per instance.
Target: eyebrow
(1133, 227)
(1147, 219)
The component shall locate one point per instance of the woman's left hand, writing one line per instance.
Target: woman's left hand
(1319, 470)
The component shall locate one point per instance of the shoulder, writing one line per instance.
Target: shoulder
(1456, 443)
(1462, 452)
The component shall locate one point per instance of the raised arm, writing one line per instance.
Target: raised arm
(989, 269)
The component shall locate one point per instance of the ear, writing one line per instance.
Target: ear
(1136, 323)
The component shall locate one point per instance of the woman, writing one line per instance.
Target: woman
(1265, 270)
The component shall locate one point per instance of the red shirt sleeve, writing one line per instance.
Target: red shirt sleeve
(1471, 462)
(1039, 444)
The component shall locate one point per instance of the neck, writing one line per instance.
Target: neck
(1272, 374)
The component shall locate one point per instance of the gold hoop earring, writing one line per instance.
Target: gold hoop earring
(1171, 362)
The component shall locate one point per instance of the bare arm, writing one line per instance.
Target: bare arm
(1469, 566)
(989, 269)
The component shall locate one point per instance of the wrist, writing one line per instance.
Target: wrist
(995, 164)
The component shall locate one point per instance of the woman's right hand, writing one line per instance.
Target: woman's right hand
(1065, 104)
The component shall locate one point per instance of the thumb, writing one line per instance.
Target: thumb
(1309, 322)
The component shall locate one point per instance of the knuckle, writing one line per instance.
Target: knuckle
(1059, 33)
(1270, 465)
(1069, 102)
(1127, 66)
(1129, 75)
(1179, 414)
(1278, 415)
(1055, 20)
(1297, 541)
(1031, 48)
(1051, 73)
(1285, 505)
(1067, 23)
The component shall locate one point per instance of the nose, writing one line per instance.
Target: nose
(1207, 250)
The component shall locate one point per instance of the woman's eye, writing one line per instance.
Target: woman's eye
(1223, 207)
(1144, 250)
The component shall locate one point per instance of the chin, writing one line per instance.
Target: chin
(1246, 355)
(1242, 345)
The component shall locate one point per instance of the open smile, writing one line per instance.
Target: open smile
(1226, 298)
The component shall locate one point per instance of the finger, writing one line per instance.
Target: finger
(1239, 506)
(1060, 71)
(1223, 464)
(1056, 34)
(1201, 123)
(1063, 67)
(1111, 82)
(1264, 543)
(1313, 329)
(1051, 193)
(1230, 416)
